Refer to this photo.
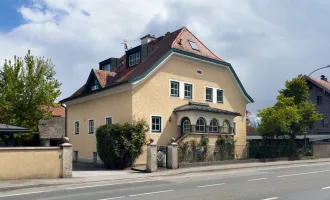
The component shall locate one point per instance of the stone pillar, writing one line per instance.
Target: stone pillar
(173, 162)
(151, 157)
(66, 165)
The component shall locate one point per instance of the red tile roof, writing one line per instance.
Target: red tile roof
(55, 112)
(319, 82)
(178, 39)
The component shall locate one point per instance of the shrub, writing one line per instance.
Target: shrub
(226, 148)
(119, 145)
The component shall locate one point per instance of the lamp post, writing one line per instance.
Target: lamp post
(309, 76)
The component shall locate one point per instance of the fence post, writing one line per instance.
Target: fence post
(151, 157)
(173, 162)
(66, 163)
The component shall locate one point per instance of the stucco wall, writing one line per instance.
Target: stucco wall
(152, 96)
(321, 150)
(118, 106)
(25, 162)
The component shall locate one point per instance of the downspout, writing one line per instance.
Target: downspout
(66, 120)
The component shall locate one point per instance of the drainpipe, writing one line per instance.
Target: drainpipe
(66, 120)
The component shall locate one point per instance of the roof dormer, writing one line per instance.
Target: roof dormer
(133, 56)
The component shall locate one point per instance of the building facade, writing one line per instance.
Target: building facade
(174, 82)
(319, 94)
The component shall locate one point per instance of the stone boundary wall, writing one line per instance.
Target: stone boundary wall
(321, 150)
(36, 162)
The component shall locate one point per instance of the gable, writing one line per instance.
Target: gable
(217, 63)
(92, 83)
(183, 43)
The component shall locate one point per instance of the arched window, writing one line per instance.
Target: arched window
(200, 125)
(186, 125)
(225, 126)
(214, 126)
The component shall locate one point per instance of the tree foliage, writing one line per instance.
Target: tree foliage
(292, 114)
(119, 145)
(27, 87)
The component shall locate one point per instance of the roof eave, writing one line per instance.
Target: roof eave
(196, 110)
(90, 93)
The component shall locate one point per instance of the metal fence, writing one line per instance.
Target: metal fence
(191, 153)
(278, 151)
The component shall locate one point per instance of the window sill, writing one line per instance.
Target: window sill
(155, 132)
(173, 96)
(219, 102)
(209, 101)
(188, 98)
(76, 134)
(90, 133)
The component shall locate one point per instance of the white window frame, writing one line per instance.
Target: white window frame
(75, 128)
(178, 82)
(212, 97)
(223, 94)
(222, 131)
(205, 124)
(192, 46)
(217, 122)
(105, 120)
(137, 58)
(89, 133)
(161, 124)
(132, 60)
(184, 127)
(95, 87)
(184, 90)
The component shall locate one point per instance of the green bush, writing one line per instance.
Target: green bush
(226, 148)
(119, 145)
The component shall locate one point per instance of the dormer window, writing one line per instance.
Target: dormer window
(193, 45)
(95, 86)
(106, 67)
(134, 59)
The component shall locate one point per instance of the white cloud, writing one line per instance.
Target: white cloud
(266, 41)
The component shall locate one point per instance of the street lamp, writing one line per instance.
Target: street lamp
(319, 69)
(309, 76)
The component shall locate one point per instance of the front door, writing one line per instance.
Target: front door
(185, 126)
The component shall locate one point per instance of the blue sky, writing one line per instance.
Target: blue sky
(9, 15)
(266, 41)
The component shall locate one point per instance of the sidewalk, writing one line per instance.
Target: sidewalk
(81, 177)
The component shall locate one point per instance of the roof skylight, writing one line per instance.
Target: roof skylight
(193, 45)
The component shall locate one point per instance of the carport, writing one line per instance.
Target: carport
(9, 130)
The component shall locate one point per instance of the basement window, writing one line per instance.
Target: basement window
(193, 45)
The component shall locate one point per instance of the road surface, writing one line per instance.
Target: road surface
(299, 182)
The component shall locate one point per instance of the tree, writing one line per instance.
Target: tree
(292, 114)
(27, 87)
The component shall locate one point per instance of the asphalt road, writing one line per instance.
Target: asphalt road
(301, 182)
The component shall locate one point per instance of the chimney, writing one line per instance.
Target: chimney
(324, 78)
(144, 45)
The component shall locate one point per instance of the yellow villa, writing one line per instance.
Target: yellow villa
(173, 81)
